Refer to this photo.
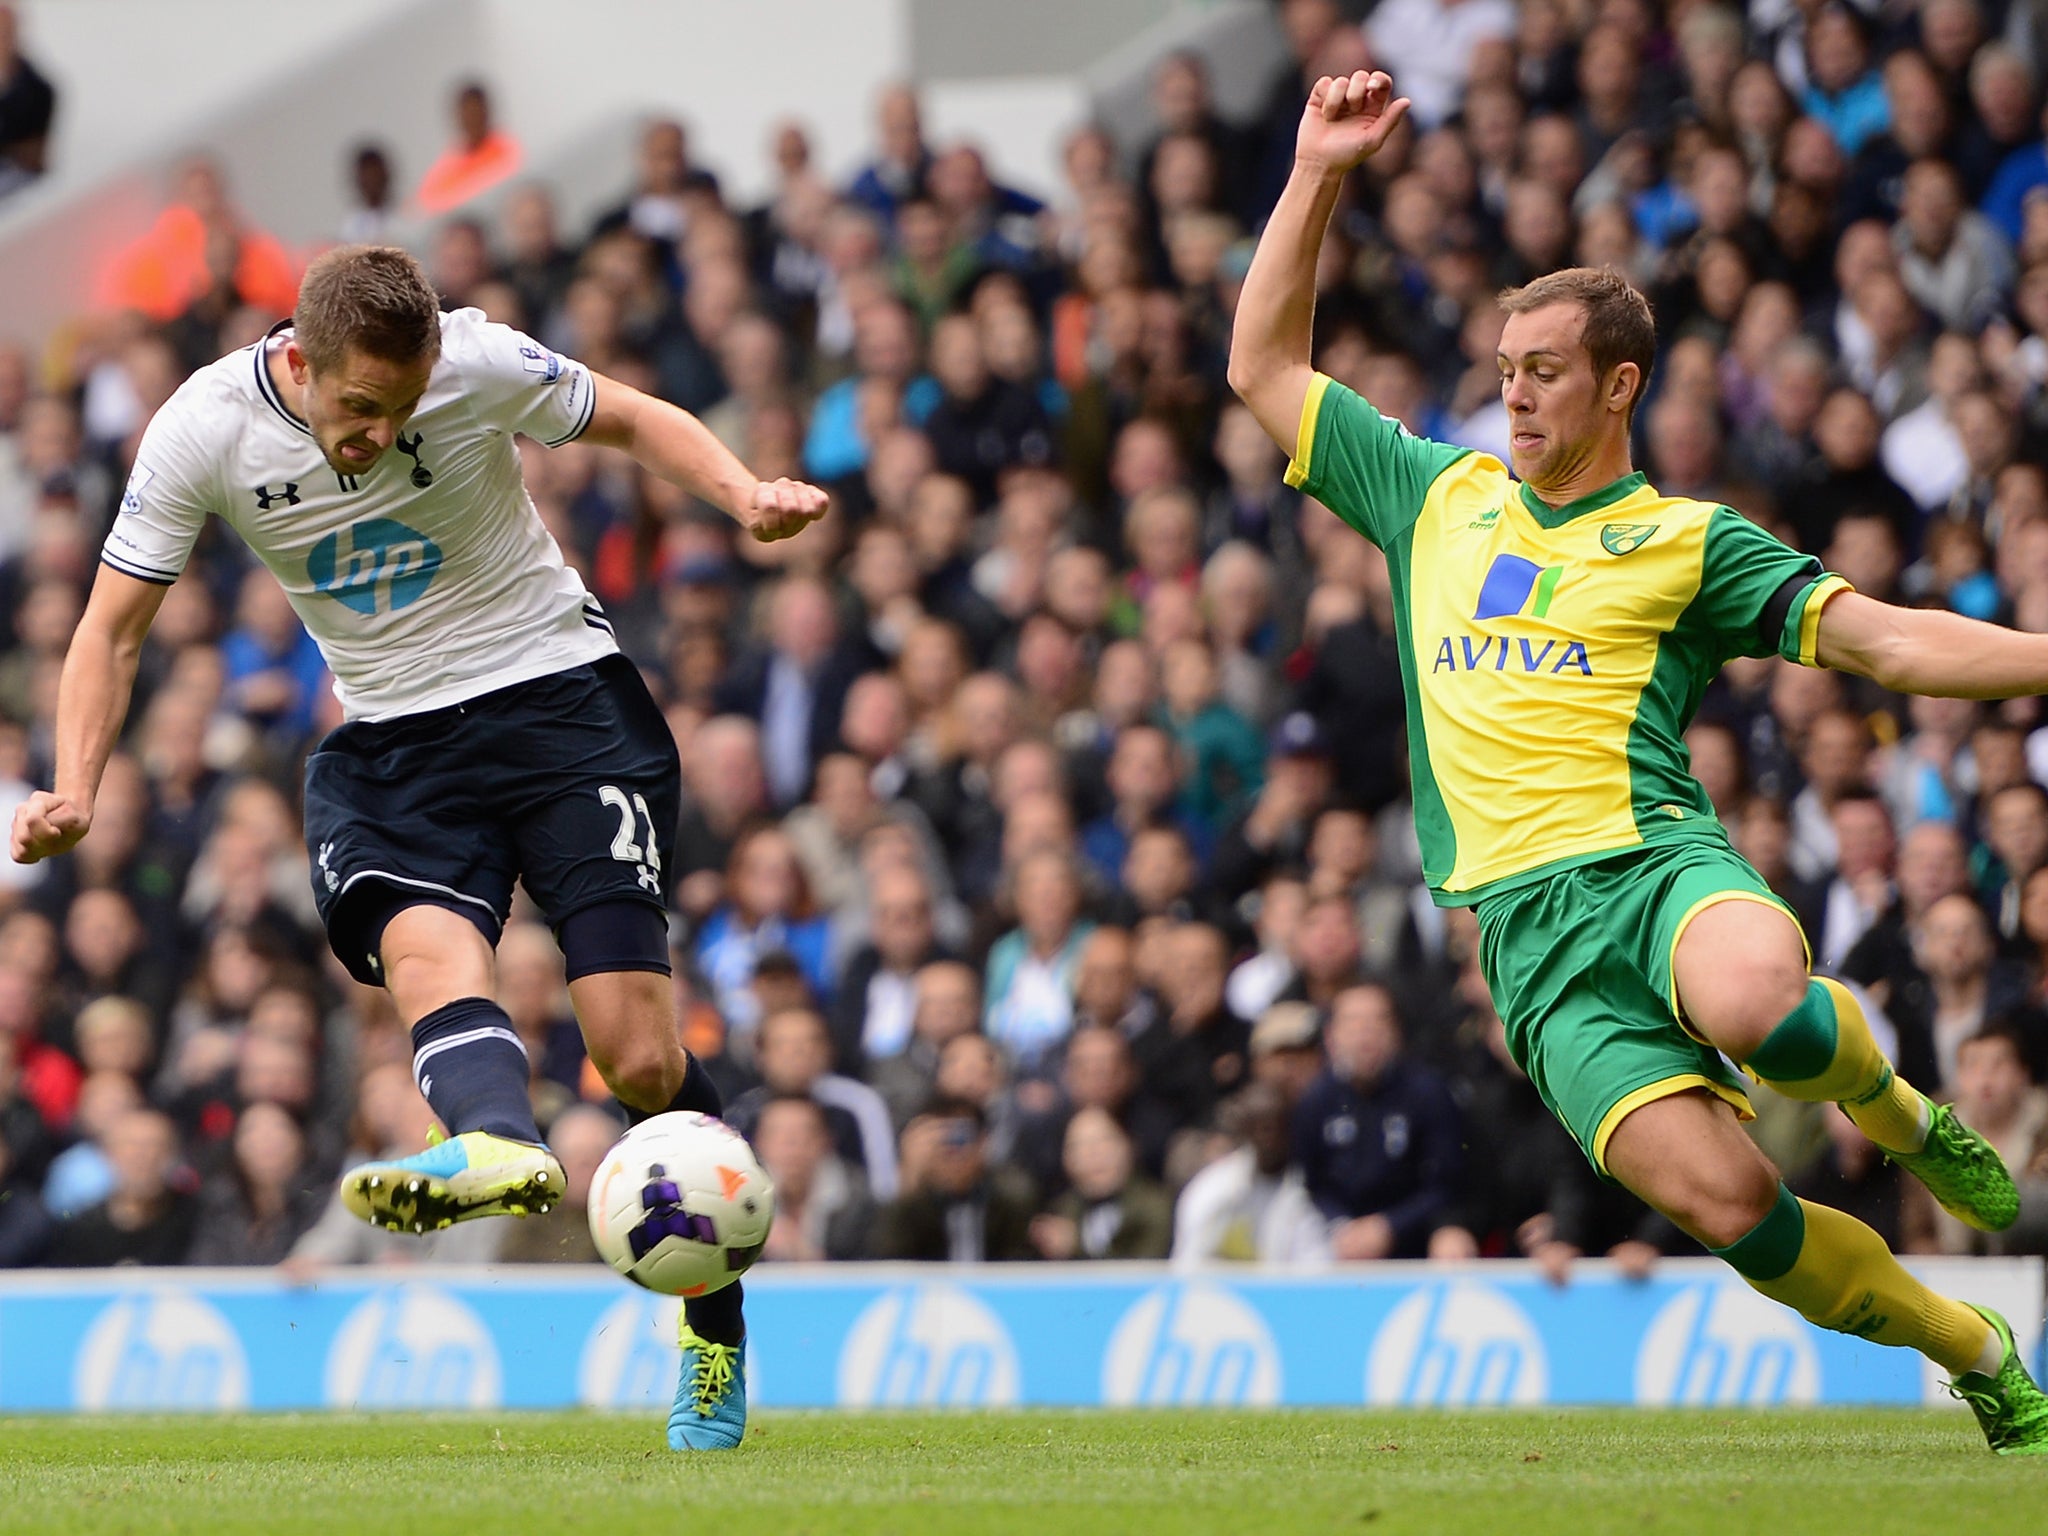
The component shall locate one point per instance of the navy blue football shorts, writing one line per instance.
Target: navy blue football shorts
(569, 782)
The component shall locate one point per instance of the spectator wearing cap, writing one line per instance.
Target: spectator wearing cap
(1286, 1049)
(1274, 833)
(1378, 1137)
(1251, 1205)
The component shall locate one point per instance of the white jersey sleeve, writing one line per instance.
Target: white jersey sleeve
(174, 485)
(513, 383)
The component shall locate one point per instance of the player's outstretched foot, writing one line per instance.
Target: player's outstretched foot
(1964, 1172)
(711, 1397)
(2010, 1409)
(474, 1174)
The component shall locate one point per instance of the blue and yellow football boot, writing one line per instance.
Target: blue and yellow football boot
(456, 1179)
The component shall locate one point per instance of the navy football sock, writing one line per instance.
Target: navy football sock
(473, 1070)
(698, 1092)
(715, 1318)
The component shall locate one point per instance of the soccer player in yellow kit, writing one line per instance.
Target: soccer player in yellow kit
(1555, 637)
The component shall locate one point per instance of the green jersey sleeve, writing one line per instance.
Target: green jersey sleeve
(1367, 468)
(1758, 595)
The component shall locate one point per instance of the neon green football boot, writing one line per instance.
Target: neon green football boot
(456, 1179)
(1964, 1172)
(2010, 1409)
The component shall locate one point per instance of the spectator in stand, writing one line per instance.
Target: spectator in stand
(901, 161)
(794, 1051)
(370, 215)
(82, 1175)
(1377, 1136)
(256, 1214)
(26, 1227)
(481, 156)
(873, 1017)
(1995, 1089)
(1097, 1071)
(948, 1005)
(1251, 1206)
(1031, 969)
(822, 1206)
(956, 1205)
(767, 911)
(28, 104)
(147, 1218)
(1109, 1209)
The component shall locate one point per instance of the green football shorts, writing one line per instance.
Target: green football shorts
(1580, 969)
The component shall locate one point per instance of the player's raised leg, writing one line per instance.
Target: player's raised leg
(629, 1027)
(1739, 969)
(473, 1070)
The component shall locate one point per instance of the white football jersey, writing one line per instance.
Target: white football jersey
(427, 581)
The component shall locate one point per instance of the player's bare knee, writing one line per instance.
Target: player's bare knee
(1740, 1008)
(641, 1075)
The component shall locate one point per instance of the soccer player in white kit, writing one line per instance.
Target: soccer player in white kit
(364, 451)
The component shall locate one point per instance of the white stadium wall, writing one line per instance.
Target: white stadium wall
(279, 90)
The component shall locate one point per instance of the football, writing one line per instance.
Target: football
(681, 1205)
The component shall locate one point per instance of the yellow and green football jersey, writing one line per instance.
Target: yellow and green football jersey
(1552, 657)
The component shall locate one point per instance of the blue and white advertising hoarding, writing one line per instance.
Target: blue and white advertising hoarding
(861, 1336)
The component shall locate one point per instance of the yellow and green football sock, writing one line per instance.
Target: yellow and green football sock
(1822, 1052)
(1837, 1273)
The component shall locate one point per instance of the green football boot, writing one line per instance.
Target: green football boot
(1964, 1172)
(2010, 1409)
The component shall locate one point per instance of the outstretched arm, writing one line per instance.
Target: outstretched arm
(1926, 651)
(1346, 121)
(92, 701)
(668, 441)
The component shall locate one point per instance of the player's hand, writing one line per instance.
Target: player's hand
(782, 509)
(47, 824)
(1347, 120)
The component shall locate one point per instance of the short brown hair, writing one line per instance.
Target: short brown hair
(1619, 326)
(374, 298)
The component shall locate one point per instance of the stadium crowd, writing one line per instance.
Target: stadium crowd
(1047, 886)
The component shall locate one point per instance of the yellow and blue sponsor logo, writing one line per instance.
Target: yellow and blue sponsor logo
(1514, 586)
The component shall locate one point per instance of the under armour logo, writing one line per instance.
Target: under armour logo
(266, 498)
(422, 477)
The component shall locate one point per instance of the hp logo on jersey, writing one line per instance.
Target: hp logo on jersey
(377, 566)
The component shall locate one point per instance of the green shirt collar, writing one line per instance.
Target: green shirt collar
(1548, 516)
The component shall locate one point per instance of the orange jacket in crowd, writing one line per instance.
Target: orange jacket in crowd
(461, 174)
(162, 273)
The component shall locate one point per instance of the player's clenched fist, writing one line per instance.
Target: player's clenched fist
(1347, 119)
(783, 508)
(46, 824)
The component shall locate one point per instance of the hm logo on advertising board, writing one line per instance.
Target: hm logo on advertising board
(928, 1346)
(1457, 1345)
(160, 1351)
(1191, 1344)
(1724, 1345)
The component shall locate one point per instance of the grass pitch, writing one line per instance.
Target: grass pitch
(1047, 1474)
